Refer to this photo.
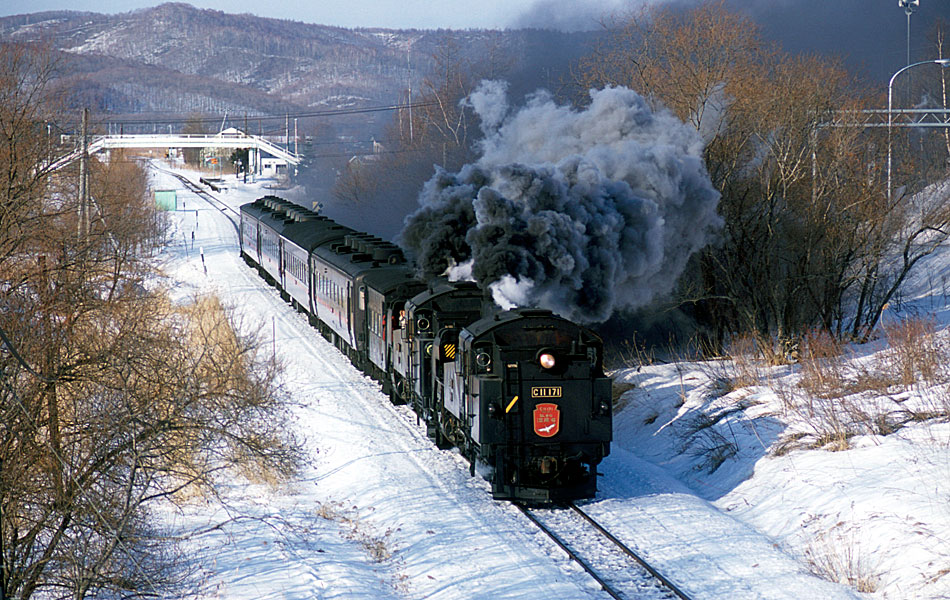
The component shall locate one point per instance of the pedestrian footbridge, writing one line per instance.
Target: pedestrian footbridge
(227, 139)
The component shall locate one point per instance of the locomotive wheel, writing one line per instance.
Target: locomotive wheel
(441, 442)
(394, 398)
(434, 429)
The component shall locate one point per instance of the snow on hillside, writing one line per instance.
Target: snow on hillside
(695, 480)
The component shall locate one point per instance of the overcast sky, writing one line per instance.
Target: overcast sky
(420, 14)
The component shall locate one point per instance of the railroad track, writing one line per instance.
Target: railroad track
(621, 572)
(232, 215)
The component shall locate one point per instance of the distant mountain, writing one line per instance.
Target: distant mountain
(175, 58)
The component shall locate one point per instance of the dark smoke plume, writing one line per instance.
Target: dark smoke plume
(577, 211)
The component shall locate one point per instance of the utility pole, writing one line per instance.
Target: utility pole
(3, 561)
(409, 63)
(83, 227)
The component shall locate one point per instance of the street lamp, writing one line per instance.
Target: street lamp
(943, 62)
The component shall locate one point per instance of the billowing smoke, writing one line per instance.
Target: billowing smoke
(578, 211)
(570, 15)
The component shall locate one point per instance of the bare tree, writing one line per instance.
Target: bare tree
(810, 238)
(112, 396)
(29, 102)
(438, 134)
(194, 125)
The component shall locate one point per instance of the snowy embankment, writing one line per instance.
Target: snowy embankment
(379, 512)
(866, 509)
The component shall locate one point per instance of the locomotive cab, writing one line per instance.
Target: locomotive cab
(443, 306)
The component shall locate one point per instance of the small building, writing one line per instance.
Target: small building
(273, 167)
(166, 199)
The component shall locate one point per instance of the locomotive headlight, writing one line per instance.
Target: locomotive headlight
(483, 360)
(546, 360)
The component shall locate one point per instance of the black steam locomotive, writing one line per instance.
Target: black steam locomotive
(521, 392)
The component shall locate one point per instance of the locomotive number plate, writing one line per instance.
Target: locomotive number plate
(546, 392)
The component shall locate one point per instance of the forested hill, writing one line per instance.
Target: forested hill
(177, 58)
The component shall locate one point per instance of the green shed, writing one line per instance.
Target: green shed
(166, 199)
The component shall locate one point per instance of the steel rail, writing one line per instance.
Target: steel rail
(629, 552)
(590, 570)
(204, 195)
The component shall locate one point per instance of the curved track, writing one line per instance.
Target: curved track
(232, 215)
(621, 572)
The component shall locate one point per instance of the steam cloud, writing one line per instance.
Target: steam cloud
(578, 211)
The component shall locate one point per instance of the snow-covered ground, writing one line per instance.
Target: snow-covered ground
(379, 512)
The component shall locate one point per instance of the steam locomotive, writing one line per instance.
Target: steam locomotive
(520, 392)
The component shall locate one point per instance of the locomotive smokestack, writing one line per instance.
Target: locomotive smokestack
(576, 211)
